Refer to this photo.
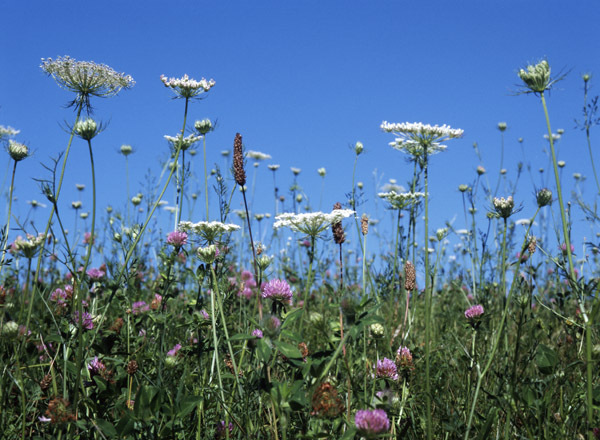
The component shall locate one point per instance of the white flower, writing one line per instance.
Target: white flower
(322, 172)
(415, 137)
(185, 142)
(257, 155)
(392, 186)
(186, 87)
(17, 151)
(6, 132)
(401, 200)
(312, 223)
(273, 167)
(296, 171)
(208, 231)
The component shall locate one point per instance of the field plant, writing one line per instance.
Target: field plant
(152, 323)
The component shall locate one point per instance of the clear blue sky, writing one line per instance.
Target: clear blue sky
(303, 80)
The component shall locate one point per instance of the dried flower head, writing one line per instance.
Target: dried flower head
(86, 79)
(59, 411)
(410, 277)
(338, 230)
(186, 87)
(238, 161)
(17, 151)
(364, 224)
(326, 402)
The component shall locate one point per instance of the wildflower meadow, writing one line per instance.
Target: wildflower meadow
(205, 318)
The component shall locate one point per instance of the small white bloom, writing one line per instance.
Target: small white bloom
(208, 231)
(257, 155)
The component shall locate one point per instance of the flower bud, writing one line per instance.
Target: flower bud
(358, 148)
(203, 126)
(502, 126)
(322, 172)
(86, 129)
(377, 330)
(463, 188)
(263, 262)
(543, 197)
(126, 150)
(207, 254)
(17, 151)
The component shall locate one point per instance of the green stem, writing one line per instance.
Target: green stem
(427, 303)
(7, 228)
(205, 177)
(587, 133)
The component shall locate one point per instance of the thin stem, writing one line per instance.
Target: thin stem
(427, 304)
(7, 228)
(205, 177)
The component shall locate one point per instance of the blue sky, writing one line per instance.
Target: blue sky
(302, 81)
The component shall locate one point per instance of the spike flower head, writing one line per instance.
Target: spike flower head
(278, 290)
(86, 78)
(186, 87)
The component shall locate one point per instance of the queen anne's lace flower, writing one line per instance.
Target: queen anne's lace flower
(208, 231)
(416, 138)
(401, 200)
(7, 132)
(313, 223)
(257, 155)
(28, 246)
(17, 151)
(182, 142)
(186, 87)
(86, 78)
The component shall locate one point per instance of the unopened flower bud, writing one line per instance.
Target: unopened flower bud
(126, 150)
(543, 197)
(501, 126)
(207, 254)
(377, 330)
(203, 126)
(358, 148)
(17, 150)
(463, 188)
(86, 129)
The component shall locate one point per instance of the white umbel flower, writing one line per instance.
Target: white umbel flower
(183, 142)
(257, 155)
(186, 87)
(208, 231)
(415, 137)
(312, 223)
(401, 200)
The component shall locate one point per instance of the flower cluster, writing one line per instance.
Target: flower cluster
(504, 207)
(186, 87)
(7, 132)
(95, 274)
(401, 200)
(88, 321)
(278, 290)
(177, 239)
(28, 246)
(404, 358)
(386, 368)
(313, 223)
(257, 155)
(372, 423)
(416, 138)
(203, 126)
(86, 78)
(139, 307)
(208, 231)
(474, 312)
(182, 143)
(87, 129)
(16, 150)
(536, 77)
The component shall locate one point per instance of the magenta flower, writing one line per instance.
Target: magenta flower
(246, 293)
(177, 239)
(87, 238)
(386, 368)
(404, 358)
(278, 290)
(372, 423)
(87, 323)
(563, 248)
(95, 274)
(95, 366)
(174, 350)
(474, 312)
(221, 430)
(247, 275)
(204, 314)
(139, 307)
(257, 333)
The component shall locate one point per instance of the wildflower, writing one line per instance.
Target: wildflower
(87, 129)
(322, 172)
(86, 78)
(207, 254)
(87, 323)
(258, 334)
(502, 126)
(480, 170)
(563, 248)
(273, 167)
(182, 143)
(263, 262)
(95, 366)
(28, 246)
(257, 155)
(174, 350)
(139, 307)
(358, 148)
(377, 330)
(221, 430)
(372, 423)
(126, 150)
(463, 188)
(95, 274)
(410, 277)
(238, 161)
(186, 87)
(278, 290)
(204, 314)
(9, 330)
(84, 215)
(208, 231)
(561, 163)
(417, 138)
(271, 325)
(177, 239)
(7, 132)
(58, 411)
(311, 224)
(338, 231)
(17, 151)
(326, 402)
(404, 359)
(504, 207)
(543, 197)
(537, 77)
(386, 368)
(474, 312)
(203, 126)
(87, 238)
(295, 171)
(401, 200)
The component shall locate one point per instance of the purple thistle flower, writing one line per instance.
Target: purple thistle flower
(95, 274)
(177, 239)
(174, 350)
(139, 307)
(474, 312)
(386, 368)
(278, 290)
(372, 423)
(257, 333)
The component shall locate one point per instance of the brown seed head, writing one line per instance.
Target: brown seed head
(532, 245)
(132, 367)
(326, 402)
(46, 382)
(410, 277)
(338, 231)
(238, 161)
(364, 224)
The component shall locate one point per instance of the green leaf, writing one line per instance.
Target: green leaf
(107, 428)
(188, 404)
(287, 349)
(546, 359)
(263, 350)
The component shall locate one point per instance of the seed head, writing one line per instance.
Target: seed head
(410, 277)
(132, 367)
(364, 224)
(338, 231)
(238, 161)
(543, 197)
